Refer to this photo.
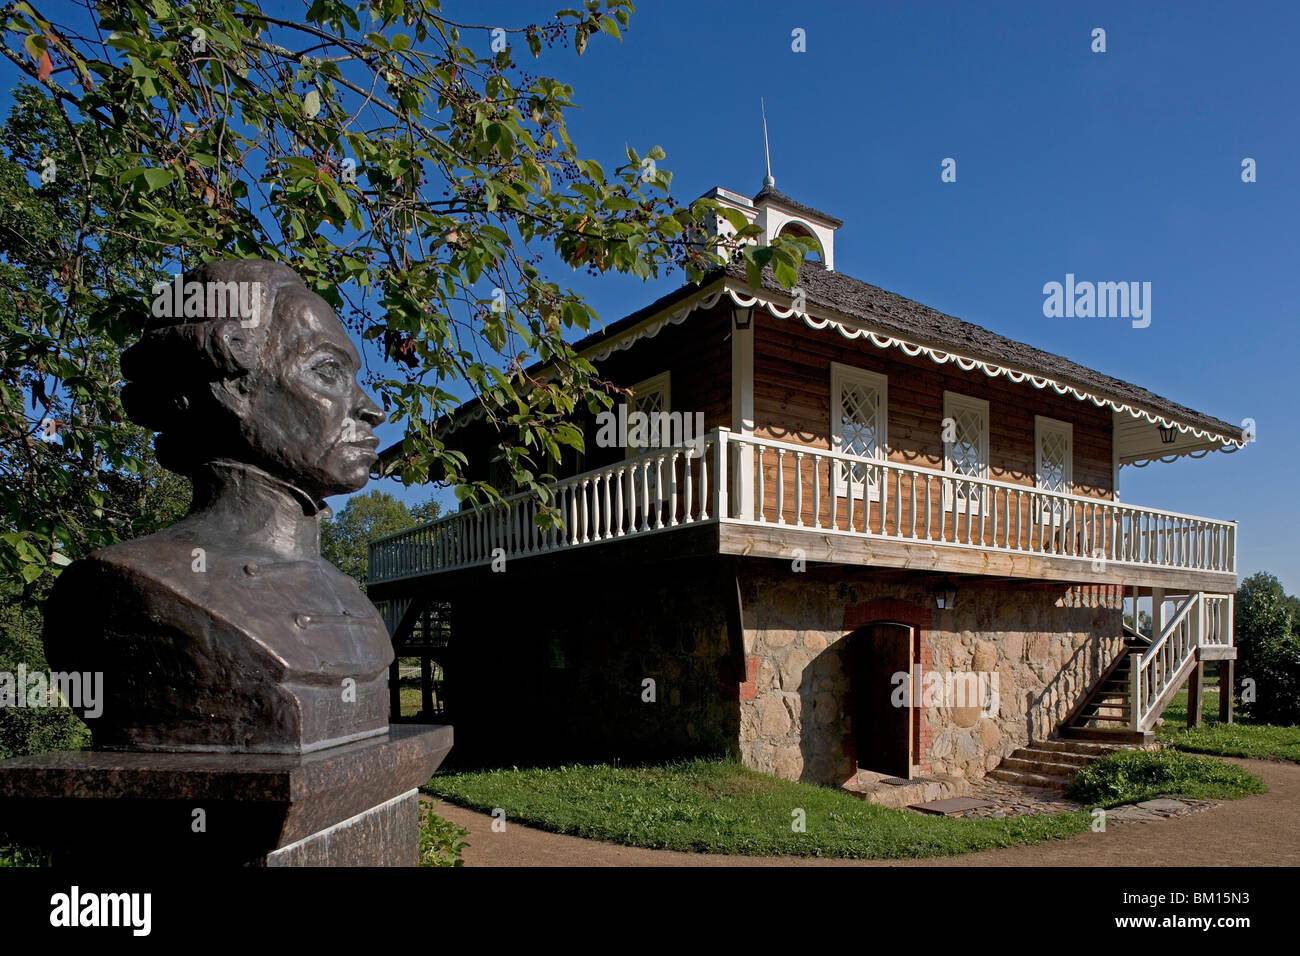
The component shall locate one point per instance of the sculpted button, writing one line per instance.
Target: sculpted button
(251, 569)
(302, 620)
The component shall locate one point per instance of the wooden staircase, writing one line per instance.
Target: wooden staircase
(1121, 710)
(1106, 713)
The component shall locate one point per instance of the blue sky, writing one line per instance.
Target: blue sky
(1123, 165)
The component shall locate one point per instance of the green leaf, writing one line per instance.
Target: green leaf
(155, 178)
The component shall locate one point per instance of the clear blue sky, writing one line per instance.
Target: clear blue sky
(1123, 165)
(1119, 166)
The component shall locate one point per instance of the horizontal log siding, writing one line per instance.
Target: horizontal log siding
(792, 403)
(696, 353)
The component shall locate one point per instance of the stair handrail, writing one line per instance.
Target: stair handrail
(1147, 658)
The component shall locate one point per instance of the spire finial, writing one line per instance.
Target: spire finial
(767, 153)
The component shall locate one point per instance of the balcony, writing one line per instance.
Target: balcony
(770, 499)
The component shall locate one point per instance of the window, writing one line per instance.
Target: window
(1054, 455)
(965, 448)
(859, 426)
(1053, 464)
(654, 398)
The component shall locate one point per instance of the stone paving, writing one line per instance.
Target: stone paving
(1012, 800)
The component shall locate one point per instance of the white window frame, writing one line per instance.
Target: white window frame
(1044, 426)
(840, 375)
(655, 383)
(954, 402)
(1053, 514)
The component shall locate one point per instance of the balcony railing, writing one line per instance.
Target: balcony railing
(758, 482)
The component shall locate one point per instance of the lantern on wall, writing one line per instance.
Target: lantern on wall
(945, 595)
(742, 315)
(1168, 433)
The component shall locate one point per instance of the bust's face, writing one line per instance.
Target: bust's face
(308, 420)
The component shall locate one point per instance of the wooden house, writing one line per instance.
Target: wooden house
(898, 551)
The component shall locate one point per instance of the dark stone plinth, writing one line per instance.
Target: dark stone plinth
(350, 805)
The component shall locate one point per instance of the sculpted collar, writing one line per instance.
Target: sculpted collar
(310, 507)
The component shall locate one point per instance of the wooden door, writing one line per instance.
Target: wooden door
(883, 731)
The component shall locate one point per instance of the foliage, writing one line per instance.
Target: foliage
(405, 164)
(344, 538)
(1268, 649)
(1130, 776)
(12, 854)
(28, 730)
(724, 807)
(441, 841)
(74, 477)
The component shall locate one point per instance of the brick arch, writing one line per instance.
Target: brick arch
(920, 619)
(888, 609)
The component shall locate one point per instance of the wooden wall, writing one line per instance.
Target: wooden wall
(697, 353)
(792, 403)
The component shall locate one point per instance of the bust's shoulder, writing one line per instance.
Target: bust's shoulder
(156, 557)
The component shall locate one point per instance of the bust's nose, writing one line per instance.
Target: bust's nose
(367, 411)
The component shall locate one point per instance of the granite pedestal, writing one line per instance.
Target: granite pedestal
(350, 805)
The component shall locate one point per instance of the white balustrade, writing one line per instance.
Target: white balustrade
(805, 488)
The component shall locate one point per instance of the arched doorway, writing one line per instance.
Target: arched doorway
(882, 658)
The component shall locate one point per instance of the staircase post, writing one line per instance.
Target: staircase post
(1195, 695)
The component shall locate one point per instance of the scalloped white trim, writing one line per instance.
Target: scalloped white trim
(883, 340)
(941, 357)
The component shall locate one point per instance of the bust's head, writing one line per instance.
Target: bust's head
(247, 364)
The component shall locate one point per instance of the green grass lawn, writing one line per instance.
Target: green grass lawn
(1260, 741)
(724, 807)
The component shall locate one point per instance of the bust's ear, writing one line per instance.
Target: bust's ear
(234, 347)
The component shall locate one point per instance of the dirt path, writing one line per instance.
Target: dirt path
(1255, 831)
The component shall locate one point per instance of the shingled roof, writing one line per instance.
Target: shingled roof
(917, 323)
(771, 192)
(895, 315)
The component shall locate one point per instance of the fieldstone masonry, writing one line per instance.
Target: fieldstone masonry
(1046, 644)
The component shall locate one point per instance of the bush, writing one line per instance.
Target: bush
(1131, 776)
(441, 841)
(1268, 649)
(30, 730)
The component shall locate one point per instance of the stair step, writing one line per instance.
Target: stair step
(1029, 779)
(1044, 768)
(1056, 756)
(1090, 748)
(1105, 733)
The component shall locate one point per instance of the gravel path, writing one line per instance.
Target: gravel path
(1261, 830)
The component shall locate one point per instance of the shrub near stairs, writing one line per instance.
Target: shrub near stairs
(1130, 776)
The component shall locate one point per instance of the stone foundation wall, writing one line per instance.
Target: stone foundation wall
(1047, 645)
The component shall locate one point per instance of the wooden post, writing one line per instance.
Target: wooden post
(1195, 694)
(721, 506)
(1135, 672)
(1226, 686)
(426, 687)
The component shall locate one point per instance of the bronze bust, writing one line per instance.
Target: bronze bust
(228, 631)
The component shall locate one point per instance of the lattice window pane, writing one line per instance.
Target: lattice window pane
(860, 424)
(1053, 449)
